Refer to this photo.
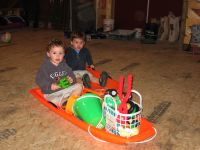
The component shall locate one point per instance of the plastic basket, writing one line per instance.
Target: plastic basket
(125, 125)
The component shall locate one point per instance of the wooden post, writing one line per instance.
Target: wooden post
(191, 16)
(104, 10)
(183, 24)
(109, 9)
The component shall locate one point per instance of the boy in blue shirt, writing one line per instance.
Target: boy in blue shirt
(78, 57)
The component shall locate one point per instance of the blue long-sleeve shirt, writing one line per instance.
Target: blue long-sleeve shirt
(78, 60)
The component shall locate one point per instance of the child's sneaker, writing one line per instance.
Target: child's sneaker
(86, 81)
(64, 105)
(103, 78)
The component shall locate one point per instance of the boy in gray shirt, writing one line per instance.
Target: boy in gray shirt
(52, 70)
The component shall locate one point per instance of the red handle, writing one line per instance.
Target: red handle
(123, 106)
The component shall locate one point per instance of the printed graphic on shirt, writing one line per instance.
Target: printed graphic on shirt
(58, 74)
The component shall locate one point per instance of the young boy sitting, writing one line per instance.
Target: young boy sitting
(77, 57)
(52, 70)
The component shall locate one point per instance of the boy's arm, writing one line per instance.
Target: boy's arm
(89, 57)
(42, 81)
(69, 58)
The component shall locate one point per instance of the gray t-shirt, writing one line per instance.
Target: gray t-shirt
(49, 73)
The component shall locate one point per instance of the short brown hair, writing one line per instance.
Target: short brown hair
(54, 42)
(77, 34)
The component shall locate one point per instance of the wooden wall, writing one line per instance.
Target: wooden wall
(104, 10)
(192, 17)
(131, 14)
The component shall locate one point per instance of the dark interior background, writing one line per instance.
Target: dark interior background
(128, 14)
(131, 14)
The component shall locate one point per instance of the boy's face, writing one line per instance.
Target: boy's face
(77, 43)
(56, 54)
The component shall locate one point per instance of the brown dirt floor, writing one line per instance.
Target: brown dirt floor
(167, 78)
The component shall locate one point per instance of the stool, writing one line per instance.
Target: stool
(195, 47)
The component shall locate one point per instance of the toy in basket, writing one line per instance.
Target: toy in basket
(120, 119)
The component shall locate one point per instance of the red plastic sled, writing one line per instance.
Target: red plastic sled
(146, 133)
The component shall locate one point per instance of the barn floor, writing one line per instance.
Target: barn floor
(167, 78)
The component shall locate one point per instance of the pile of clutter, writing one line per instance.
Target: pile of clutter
(169, 28)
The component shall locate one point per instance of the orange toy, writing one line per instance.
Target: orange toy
(70, 102)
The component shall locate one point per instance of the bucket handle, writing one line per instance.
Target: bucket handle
(139, 95)
(132, 91)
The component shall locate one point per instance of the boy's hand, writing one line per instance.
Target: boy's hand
(54, 87)
(79, 80)
(70, 79)
(92, 66)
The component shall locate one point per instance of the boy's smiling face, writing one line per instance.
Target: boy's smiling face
(56, 54)
(77, 43)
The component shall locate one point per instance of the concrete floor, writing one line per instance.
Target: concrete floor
(167, 78)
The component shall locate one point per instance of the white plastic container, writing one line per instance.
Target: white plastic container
(138, 33)
(108, 25)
